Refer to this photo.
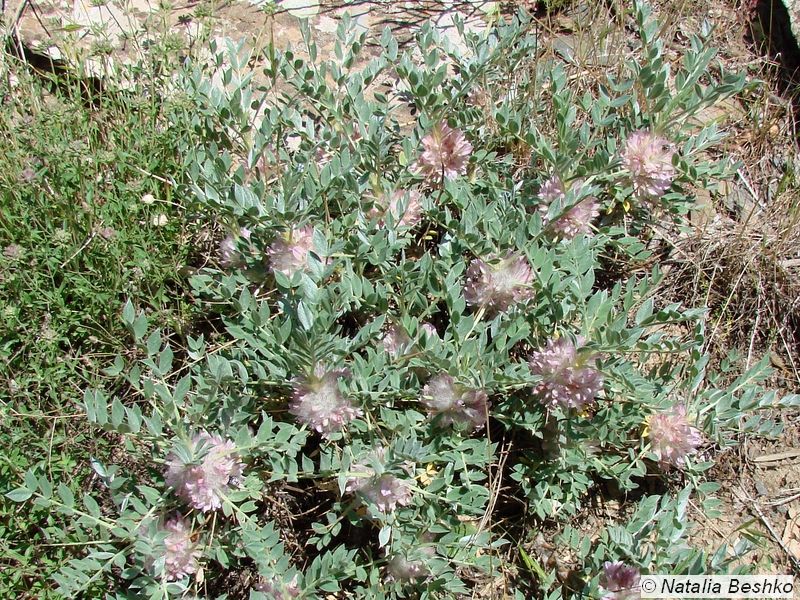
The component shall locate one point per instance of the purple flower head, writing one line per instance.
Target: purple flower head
(181, 554)
(13, 252)
(620, 581)
(401, 568)
(568, 380)
(404, 206)
(318, 403)
(498, 284)
(28, 175)
(648, 160)
(551, 190)
(384, 491)
(107, 233)
(574, 221)
(278, 590)
(289, 254)
(396, 342)
(429, 330)
(228, 254)
(671, 437)
(454, 403)
(204, 482)
(446, 152)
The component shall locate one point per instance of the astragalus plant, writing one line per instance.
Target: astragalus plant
(422, 366)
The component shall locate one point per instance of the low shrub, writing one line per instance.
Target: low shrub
(426, 364)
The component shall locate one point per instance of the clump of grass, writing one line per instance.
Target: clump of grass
(76, 241)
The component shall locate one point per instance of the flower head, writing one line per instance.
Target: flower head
(396, 342)
(574, 221)
(620, 581)
(229, 255)
(382, 490)
(289, 253)
(498, 284)
(181, 554)
(671, 437)
(446, 152)
(386, 492)
(318, 403)
(404, 206)
(107, 233)
(203, 483)
(454, 403)
(278, 590)
(429, 330)
(401, 568)
(13, 252)
(552, 190)
(568, 380)
(28, 175)
(648, 159)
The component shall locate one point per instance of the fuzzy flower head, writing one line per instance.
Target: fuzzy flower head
(568, 380)
(429, 330)
(318, 403)
(384, 491)
(620, 581)
(181, 554)
(454, 403)
(446, 152)
(401, 568)
(671, 437)
(648, 160)
(229, 255)
(203, 482)
(13, 252)
(551, 190)
(404, 206)
(574, 221)
(498, 284)
(396, 342)
(288, 254)
(278, 590)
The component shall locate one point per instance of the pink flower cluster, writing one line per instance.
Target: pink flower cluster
(396, 341)
(671, 437)
(498, 284)
(620, 581)
(453, 403)
(405, 206)
(203, 483)
(648, 160)
(445, 153)
(318, 403)
(229, 255)
(289, 254)
(401, 568)
(385, 491)
(181, 554)
(574, 221)
(568, 380)
(277, 590)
